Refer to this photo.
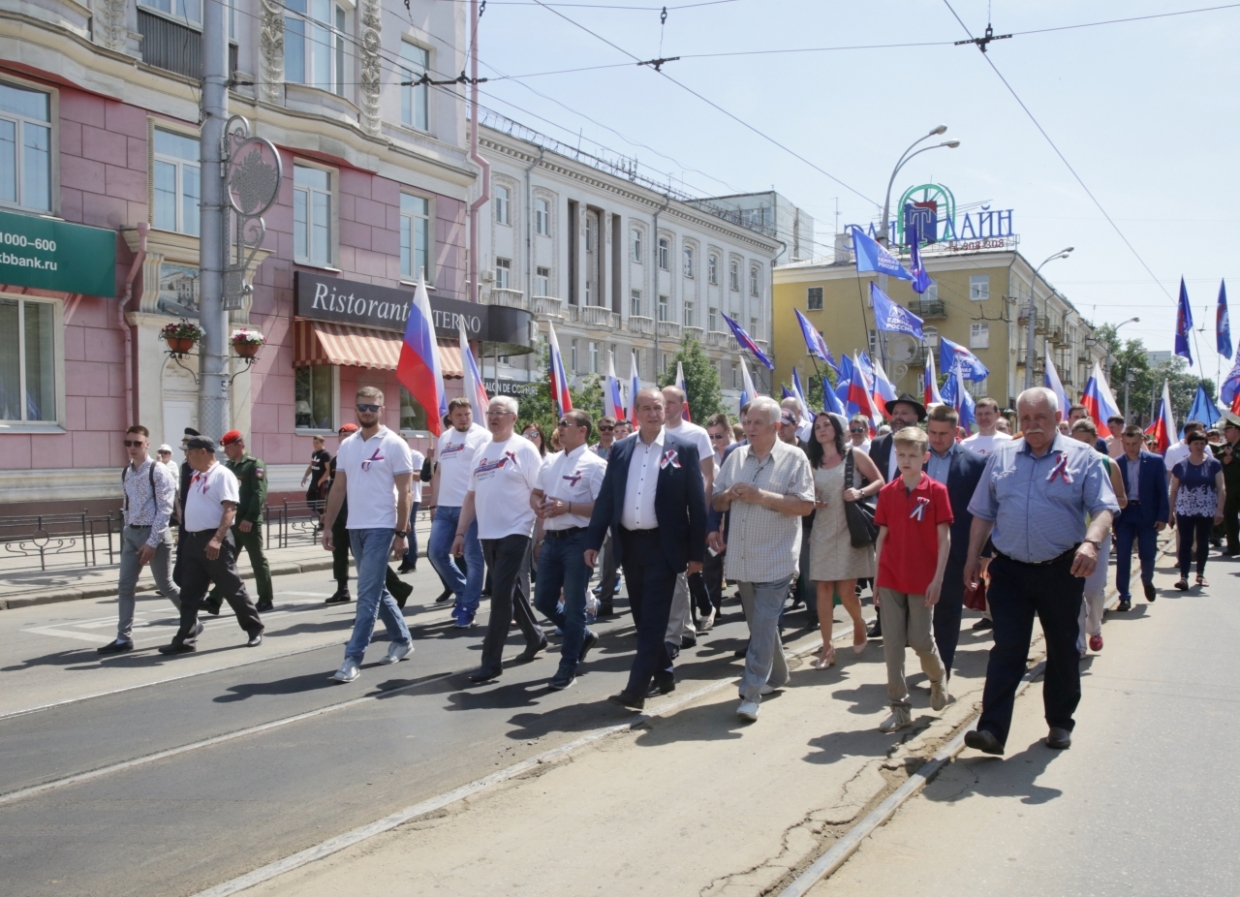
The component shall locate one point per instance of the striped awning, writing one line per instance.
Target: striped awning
(321, 342)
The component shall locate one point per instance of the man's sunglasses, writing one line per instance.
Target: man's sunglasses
(133, 443)
(371, 408)
(605, 429)
(716, 435)
(856, 429)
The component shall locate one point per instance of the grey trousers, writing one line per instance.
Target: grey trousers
(764, 662)
(132, 540)
(907, 620)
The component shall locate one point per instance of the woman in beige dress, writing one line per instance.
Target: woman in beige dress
(833, 561)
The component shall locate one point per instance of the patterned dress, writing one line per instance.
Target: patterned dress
(831, 553)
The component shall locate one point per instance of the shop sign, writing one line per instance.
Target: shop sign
(506, 387)
(322, 298)
(55, 255)
(945, 229)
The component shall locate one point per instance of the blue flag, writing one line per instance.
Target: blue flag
(841, 385)
(785, 393)
(747, 343)
(814, 342)
(1222, 322)
(1203, 409)
(952, 354)
(891, 317)
(873, 257)
(1183, 324)
(921, 280)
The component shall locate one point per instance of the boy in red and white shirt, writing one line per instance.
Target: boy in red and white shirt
(914, 516)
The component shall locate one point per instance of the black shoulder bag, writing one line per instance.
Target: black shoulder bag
(859, 513)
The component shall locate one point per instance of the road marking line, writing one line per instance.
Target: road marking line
(63, 633)
(208, 742)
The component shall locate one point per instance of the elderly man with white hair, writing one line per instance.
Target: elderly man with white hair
(1032, 501)
(505, 474)
(767, 485)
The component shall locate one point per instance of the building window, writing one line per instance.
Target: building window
(754, 329)
(189, 10)
(412, 414)
(976, 388)
(501, 205)
(813, 299)
(979, 287)
(26, 148)
(177, 182)
(734, 276)
(635, 245)
(714, 319)
(635, 303)
(688, 262)
(753, 282)
(663, 254)
(931, 336)
(314, 38)
(712, 268)
(572, 356)
(736, 376)
(313, 402)
(931, 294)
(542, 282)
(688, 313)
(664, 314)
(503, 273)
(312, 215)
(979, 335)
(414, 108)
(415, 236)
(593, 357)
(542, 217)
(27, 360)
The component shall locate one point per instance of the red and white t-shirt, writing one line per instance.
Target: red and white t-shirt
(912, 517)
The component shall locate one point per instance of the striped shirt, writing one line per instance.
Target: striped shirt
(142, 508)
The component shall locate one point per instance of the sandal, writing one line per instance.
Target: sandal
(1201, 582)
(1182, 585)
(825, 659)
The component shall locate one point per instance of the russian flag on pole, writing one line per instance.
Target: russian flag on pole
(842, 385)
(559, 383)
(962, 400)
(806, 429)
(1054, 384)
(680, 382)
(418, 369)
(474, 390)
(1163, 427)
(931, 385)
(1099, 401)
(634, 387)
(613, 404)
(859, 393)
(748, 392)
(884, 390)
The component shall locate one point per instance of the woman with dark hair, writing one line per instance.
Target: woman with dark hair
(534, 434)
(1197, 498)
(834, 564)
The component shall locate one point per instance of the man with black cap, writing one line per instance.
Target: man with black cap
(251, 475)
(904, 411)
(208, 551)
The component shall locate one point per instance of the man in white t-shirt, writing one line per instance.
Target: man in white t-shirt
(987, 437)
(1179, 451)
(505, 475)
(563, 501)
(681, 632)
(454, 466)
(208, 551)
(374, 469)
(409, 562)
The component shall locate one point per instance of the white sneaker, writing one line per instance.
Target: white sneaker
(707, 623)
(900, 718)
(938, 694)
(347, 673)
(397, 652)
(748, 710)
(766, 690)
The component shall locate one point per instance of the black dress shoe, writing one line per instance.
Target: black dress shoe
(605, 610)
(402, 595)
(660, 688)
(342, 596)
(212, 607)
(177, 649)
(405, 568)
(116, 647)
(587, 645)
(447, 594)
(626, 700)
(532, 651)
(983, 624)
(1124, 605)
(263, 606)
(484, 675)
(1059, 739)
(688, 641)
(981, 740)
(1150, 594)
(876, 631)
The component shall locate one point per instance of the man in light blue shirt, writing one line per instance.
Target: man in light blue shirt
(1031, 502)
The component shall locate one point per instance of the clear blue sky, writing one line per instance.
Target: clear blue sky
(1146, 112)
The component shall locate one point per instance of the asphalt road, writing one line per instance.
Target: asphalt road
(1144, 802)
(209, 812)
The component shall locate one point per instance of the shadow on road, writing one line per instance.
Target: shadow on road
(1014, 775)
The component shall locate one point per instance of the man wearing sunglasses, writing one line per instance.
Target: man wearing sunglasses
(859, 433)
(374, 471)
(455, 456)
(150, 495)
(606, 436)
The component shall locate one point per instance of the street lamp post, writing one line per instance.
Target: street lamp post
(886, 222)
(1033, 314)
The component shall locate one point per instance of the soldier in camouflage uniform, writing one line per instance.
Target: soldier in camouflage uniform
(247, 530)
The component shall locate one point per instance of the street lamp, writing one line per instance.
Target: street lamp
(886, 222)
(1033, 312)
(1127, 371)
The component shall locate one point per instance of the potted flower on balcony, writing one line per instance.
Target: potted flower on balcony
(246, 342)
(181, 336)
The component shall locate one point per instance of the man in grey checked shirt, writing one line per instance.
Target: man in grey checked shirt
(150, 495)
(768, 487)
(1031, 502)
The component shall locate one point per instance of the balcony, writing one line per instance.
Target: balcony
(598, 316)
(548, 306)
(697, 334)
(928, 309)
(669, 330)
(509, 298)
(717, 339)
(641, 325)
(175, 47)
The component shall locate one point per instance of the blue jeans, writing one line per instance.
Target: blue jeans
(411, 553)
(561, 564)
(468, 586)
(371, 550)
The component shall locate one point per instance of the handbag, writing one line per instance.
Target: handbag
(975, 596)
(860, 513)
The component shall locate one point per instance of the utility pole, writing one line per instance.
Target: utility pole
(213, 383)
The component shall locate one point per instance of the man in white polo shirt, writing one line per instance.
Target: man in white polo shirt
(450, 482)
(680, 628)
(208, 552)
(988, 436)
(373, 471)
(564, 500)
(506, 472)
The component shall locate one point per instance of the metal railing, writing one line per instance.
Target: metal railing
(175, 47)
(928, 308)
(76, 537)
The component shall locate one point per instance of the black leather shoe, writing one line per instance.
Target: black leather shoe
(116, 647)
(587, 645)
(605, 610)
(532, 651)
(447, 594)
(484, 675)
(1150, 594)
(626, 700)
(255, 640)
(1124, 605)
(983, 624)
(212, 607)
(660, 688)
(263, 606)
(342, 596)
(984, 741)
(402, 595)
(876, 631)
(405, 568)
(177, 649)
(1059, 739)
(688, 641)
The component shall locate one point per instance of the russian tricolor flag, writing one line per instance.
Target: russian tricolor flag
(1099, 401)
(748, 392)
(635, 386)
(559, 383)
(931, 391)
(1163, 427)
(419, 369)
(613, 404)
(474, 389)
(859, 393)
(1055, 385)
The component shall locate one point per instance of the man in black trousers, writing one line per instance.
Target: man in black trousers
(654, 499)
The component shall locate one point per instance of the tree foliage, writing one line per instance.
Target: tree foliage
(1130, 359)
(701, 379)
(536, 407)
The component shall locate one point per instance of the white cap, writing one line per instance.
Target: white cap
(164, 448)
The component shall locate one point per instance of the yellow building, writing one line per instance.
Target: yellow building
(979, 300)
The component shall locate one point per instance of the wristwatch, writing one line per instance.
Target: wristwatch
(1094, 542)
(400, 533)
